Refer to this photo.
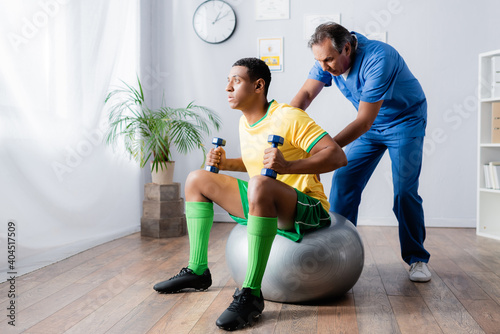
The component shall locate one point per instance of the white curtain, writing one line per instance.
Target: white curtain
(63, 188)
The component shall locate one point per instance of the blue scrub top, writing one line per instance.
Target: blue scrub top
(380, 73)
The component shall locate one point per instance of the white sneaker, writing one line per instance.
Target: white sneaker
(419, 272)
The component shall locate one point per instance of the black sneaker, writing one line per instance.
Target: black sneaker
(185, 279)
(243, 311)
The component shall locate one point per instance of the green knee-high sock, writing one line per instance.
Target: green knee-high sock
(260, 233)
(200, 217)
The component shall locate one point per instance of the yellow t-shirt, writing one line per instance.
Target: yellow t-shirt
(300, 134)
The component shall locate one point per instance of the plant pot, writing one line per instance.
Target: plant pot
(165, 173)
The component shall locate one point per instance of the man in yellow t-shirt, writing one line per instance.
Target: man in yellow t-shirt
(300, 135)
(289, 205)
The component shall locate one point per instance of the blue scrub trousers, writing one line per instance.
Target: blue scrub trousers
(348, 183)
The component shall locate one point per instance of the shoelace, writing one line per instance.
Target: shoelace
(237, 302)
(416, 266)
(181, 273)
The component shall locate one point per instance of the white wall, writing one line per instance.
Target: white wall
(63, 187)
(440, 41)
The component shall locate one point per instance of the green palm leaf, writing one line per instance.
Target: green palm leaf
(148, 134)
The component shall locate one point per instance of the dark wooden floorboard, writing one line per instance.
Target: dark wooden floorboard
(338, 316)
(373, 309)
(108, 289)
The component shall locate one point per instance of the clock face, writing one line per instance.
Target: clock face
(214, 21)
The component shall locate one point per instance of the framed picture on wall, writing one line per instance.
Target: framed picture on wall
(272, 10)
(271, 51)
(312, 21)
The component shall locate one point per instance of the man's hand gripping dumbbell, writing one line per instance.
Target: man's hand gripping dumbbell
(269, 155)
(213, 165)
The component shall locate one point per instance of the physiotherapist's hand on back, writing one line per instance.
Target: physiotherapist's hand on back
(307, 93)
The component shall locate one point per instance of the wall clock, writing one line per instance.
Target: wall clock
(214, 21)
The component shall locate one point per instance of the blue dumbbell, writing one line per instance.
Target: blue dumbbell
(275, 141)
(217, 142)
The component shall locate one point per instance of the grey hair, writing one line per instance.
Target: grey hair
(339, 36)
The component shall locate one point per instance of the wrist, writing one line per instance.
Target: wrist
(288, 167)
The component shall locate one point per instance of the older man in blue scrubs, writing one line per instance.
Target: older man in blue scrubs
(392, 114)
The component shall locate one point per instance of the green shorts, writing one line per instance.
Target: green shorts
(310, 214)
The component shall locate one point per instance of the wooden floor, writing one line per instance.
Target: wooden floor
(108, 289)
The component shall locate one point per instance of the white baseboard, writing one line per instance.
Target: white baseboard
(429, 222)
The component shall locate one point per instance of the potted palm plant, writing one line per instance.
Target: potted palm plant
(150, 134)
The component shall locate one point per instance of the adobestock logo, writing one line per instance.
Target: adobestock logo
(30, 27)
(383, 18)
